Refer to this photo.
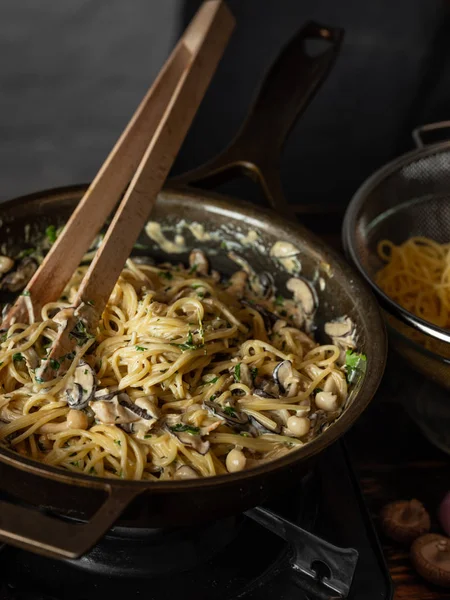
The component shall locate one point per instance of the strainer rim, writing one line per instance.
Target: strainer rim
(349, 237)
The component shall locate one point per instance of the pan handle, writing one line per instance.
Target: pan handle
(286, 91)
(32, 530)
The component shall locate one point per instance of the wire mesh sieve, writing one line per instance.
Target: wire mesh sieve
(408, 197)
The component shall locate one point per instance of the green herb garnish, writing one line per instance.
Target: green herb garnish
(118, 442)
(237, 373)
(17, 357)
(182, 428)
(317, 390)
(213, 380)
(25, 293)
(148, 435)
(355, 365)
(224, 246)
(193, 269)
(279, 301)
(27, 252)
(166, 274)
(54, 364)
(189, 344)
(140, 348)
(80, 333)
(229, 410)
(253, 372)
(50, 232)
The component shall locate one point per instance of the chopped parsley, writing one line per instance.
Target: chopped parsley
(166, 274)
(92, 470)
(25, 293)
(213, 397)
(213, 380)
(196, 286)
(27, 252)
(80, 333)
(253, 372)
(118, 442)
(147, 436)
(55, 364)
(317, 390)
(229, 410)
(224, 246)
(237, 373)
(75, 464)
(140, 348)
(189, 344)
(50, 232)
(3, 338)
(182, 428)
(279, 301)
(193, 269)
(245, 434)
(355, 365)
(17, 357)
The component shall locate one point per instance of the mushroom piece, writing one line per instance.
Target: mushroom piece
(16, 280)
(304, 294)
(237, 284)
(112, 412)
(198, 262)
(32, 359)
(262, 427)
(284, 375)
(269, 318)
(342, 332)
(80, 387)
(6, 264)
(185, 472)
(404, 521)
(266, 284)
(430, 555)
(235, 418)
(190, 436)
(336, 384)
(267, 389)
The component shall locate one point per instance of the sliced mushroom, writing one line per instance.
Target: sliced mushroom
(262, 425)
(6, 264)
(267, 284)
(284, 375)
(198, 260)
(235, 418)
(267, 388)
(237, 284)
(16, 280)
(106, 394)
(304, 294)
(188, 437)
(326, 401)
(342, 332)
(32, 359)
(113, 412)
(269, 318)
(185, 472)
(80, 387)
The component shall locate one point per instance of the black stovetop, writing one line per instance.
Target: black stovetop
(252, 563)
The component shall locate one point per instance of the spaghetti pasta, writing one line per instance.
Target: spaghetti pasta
(183, 369)
(417, 276)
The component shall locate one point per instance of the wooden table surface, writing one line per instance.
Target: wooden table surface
(394, 461)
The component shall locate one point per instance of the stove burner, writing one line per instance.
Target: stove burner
(229, 559)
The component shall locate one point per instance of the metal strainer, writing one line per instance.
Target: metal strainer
(408, 197)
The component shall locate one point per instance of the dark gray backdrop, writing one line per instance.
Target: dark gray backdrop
(72, 72)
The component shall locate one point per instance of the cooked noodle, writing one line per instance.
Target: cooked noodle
(417, 276)
(195, 363)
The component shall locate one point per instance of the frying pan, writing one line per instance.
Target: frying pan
(57, 513)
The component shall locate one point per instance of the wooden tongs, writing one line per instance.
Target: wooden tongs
(143, 155)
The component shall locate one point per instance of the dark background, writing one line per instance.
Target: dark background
(72, 72)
